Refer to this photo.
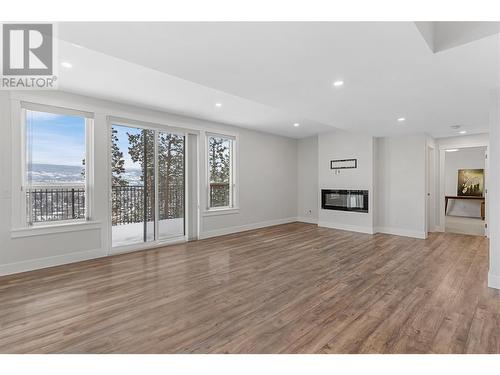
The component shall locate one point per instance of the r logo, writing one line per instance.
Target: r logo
(27, 49)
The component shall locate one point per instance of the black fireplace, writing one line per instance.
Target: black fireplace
(344, 200)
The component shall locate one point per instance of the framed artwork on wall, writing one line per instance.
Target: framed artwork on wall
(470, 182)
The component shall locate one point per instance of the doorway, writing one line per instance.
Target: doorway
(464, 186)
(148, 183)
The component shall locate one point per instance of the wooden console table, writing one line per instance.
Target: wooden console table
(481, 199)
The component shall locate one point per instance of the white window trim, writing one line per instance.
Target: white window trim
(38, 230)
(221, 211)
(20, 226)
(233, 208)
(54, 109)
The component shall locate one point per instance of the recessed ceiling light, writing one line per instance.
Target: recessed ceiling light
(452, 150)
(338, 83)
(401, 119)
(218, 105)
(66, 65)
(296, 124)
(462, 132)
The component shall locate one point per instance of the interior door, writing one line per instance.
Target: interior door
(430, 188)
(486, 197)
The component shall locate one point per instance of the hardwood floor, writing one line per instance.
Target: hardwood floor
(292, 288)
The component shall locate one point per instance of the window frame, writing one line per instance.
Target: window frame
(23, 221)
(233, 206)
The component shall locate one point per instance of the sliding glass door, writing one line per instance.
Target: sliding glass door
(148, 176)
(171, 177)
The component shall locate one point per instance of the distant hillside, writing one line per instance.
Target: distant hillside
(47, 173)
(53, 173)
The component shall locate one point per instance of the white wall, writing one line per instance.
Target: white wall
(267, 180)
(346, 145)
(494, 190)
(307, 180)
(401, 185)
(466, 158)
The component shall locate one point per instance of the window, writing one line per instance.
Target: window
(220, 171)
(55, 182)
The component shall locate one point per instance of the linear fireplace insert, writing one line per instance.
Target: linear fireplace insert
(344, 200)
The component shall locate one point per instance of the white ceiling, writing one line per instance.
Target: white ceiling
(99, 75)
(270, 75)
(441, 35)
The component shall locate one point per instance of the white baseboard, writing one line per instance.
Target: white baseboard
(369, 230)
(348, 227)
(401, 232)
(310, 220)
(242, 228)
(34, 264)
(493, 281)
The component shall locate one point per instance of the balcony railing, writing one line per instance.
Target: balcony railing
(219, 194)
(55, 203)
(59, 203)
(128, 204)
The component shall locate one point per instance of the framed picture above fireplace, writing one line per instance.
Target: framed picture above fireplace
(344, 164)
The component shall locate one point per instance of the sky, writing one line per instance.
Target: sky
(55, 139)
(60, 139)
(123, 144)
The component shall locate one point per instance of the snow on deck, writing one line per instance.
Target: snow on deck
(128, 234)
